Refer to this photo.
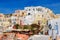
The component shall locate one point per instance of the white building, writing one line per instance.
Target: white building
(28, 20)
(37, 9)
(58, 15)
(14, 19)
(41, 11)
(54, 24)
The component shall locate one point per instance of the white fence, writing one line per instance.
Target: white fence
(39, 37)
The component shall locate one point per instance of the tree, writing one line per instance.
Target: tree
(16, 26)
(35, 28)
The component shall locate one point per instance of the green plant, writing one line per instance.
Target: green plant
(17, 26)
(26, 27)
(35, 27)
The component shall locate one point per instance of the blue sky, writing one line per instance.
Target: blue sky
(9, 6)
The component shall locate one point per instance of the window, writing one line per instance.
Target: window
(29, 9)
(39, 9)
(1, 23)
(14, 22)
(38, 15)
(48, 16)
(22, 13)
(33, 9)
(29, 14)
(26, 10)
(39, 22)
(56, 23)
(13, 19)
(42, 15)
(0, 20)
(24, 17)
